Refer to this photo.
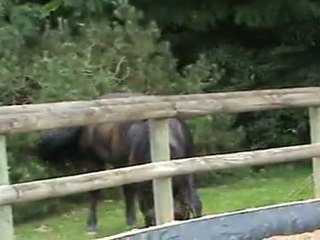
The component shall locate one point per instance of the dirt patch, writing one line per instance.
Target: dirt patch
(301, 236)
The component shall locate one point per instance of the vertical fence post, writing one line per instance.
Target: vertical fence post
(6, 223)
(162, 187)
(314, 117)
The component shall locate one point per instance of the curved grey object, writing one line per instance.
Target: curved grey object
(249, 224)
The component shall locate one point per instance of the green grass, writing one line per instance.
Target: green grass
(270, 187)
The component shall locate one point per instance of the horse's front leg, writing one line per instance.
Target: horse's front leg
(195, 198)
(129, 198)
(146, 203)
(92, 217)
(196, 204)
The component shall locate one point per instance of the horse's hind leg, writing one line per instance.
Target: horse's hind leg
(129, 198)
(92, 217)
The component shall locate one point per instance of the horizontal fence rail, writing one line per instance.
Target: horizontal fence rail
(24, 118)
(36, 190)
(53, 115)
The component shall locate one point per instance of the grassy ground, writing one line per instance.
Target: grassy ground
(270, 187)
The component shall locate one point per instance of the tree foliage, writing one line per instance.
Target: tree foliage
(52, 50)
(258, 45)
(42, 62)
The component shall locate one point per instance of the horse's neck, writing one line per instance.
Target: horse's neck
(118, 140)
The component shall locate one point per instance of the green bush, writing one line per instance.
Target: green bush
(69, 50)
(104, 56)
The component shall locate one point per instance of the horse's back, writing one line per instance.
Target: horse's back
(180, 139)
(132, 137)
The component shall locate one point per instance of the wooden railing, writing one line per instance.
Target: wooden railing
(15, 119)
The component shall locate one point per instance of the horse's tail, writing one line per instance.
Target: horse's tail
(60, 144)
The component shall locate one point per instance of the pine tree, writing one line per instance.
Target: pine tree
(258, 44)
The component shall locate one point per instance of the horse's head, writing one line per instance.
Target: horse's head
(186, 198)
(182, 211)
(186, 202)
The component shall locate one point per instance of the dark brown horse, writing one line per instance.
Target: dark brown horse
(120, 144)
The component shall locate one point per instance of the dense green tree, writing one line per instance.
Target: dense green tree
(258, 45)
(53, 50)
(121, 52)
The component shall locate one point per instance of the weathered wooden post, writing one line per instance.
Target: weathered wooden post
(162, 188)
(314, 117)
(6, 223)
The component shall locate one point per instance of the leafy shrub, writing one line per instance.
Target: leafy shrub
(105, 55)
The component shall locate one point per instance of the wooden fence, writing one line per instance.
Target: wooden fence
(24, 118)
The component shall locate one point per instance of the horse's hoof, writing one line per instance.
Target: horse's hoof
(131, 227)
(131, 222)
(91, 230)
